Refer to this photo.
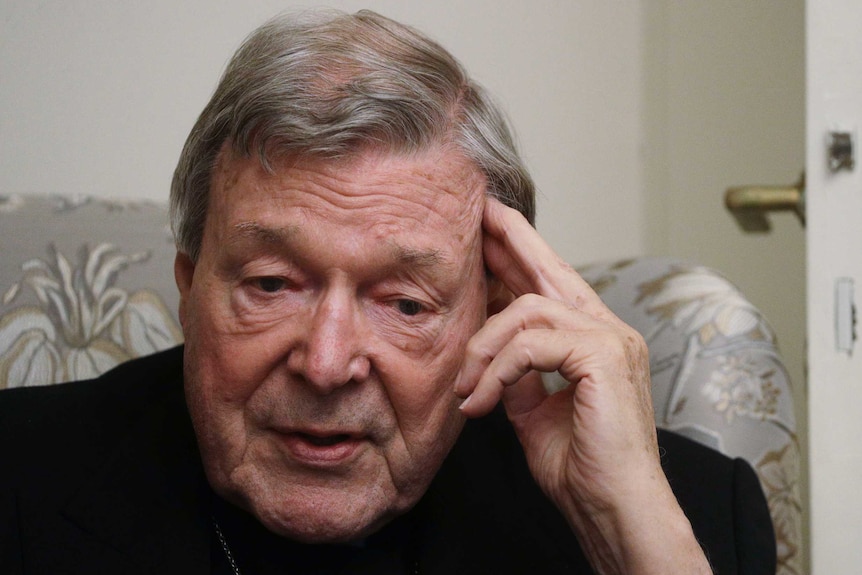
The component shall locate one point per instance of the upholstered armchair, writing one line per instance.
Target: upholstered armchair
(716, 373)
(87, 283)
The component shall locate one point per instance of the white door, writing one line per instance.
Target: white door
(834, 208)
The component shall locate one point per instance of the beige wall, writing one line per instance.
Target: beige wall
(98, 96)
(725, 106)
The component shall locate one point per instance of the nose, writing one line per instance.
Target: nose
(331, 353)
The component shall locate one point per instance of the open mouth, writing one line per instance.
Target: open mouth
(325, 441)
(322, 450)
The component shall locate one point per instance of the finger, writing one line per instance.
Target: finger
(536, 349)
(530, 311)
(525, 263)
(614, 366)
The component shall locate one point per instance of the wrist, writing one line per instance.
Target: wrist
(643, 531)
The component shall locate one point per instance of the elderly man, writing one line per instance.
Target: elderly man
(366, 309)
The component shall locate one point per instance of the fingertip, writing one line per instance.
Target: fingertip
(472, 409)
(493, 209)
(465, 405)
(495, 206)
(491, 202)
(480, 401)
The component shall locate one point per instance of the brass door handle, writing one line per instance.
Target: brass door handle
(750, 204)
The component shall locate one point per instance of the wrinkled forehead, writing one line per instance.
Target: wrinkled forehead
(439, 186)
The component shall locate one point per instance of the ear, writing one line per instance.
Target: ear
(184, 272)
(499, 296)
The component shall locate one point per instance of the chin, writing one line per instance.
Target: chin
(311, 512)
(324, 521)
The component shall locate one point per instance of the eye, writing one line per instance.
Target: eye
(270, 284)
(410, 307)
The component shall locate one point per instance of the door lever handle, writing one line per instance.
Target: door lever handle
(750, 204)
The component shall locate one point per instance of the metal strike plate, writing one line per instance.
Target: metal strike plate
(841, 151)
(845, 315)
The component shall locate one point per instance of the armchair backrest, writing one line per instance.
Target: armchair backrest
(717, 375)
(85, 284)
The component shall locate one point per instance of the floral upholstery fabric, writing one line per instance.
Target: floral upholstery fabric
(716, 373)
(88, 283)
(85, 284)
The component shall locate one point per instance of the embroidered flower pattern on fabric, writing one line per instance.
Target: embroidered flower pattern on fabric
(83, 324)
(779, 471)
(729, 366)
(736, 388)
(697, 300)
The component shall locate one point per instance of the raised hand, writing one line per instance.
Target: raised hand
(592, 446)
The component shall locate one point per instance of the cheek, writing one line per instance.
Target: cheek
(429, 422)
(225, 367)
(422, 394)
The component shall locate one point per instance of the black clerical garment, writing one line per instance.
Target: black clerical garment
(104, 476)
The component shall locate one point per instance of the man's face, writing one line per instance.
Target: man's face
(325, 321)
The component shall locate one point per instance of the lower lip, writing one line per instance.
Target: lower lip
(310, 453)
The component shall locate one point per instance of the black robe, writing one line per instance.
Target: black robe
(104, 476)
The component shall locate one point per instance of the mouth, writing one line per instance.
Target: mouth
(321, 449)
(323, 441)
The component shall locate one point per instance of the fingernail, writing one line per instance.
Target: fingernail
(465, 403)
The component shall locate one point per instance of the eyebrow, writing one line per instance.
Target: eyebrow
(255, 231)
(416, 257)
(404, 255)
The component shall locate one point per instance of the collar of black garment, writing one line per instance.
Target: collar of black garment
(391, 551)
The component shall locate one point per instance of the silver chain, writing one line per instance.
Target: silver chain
(226, 549)
(232, 561)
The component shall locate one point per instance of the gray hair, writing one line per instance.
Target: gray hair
(330, 85)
